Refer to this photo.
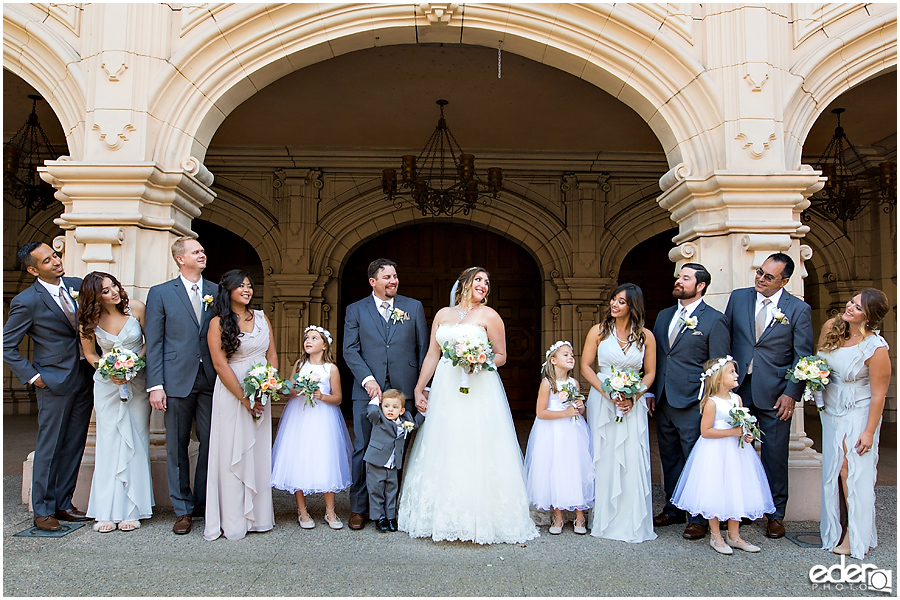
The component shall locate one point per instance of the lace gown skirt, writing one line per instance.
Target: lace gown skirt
(121, 487)
(238, 495)
(623, 508)
(464, 477)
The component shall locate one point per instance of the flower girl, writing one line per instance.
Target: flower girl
(559, 470)
(311, 454)
(723, 478)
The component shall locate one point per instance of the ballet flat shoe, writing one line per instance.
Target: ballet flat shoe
(740, 544)
(723, 549)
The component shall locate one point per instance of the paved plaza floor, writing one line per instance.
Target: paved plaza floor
(289, 561)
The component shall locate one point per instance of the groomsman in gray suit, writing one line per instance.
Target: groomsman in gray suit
(180, 374)
(385, 341)
(687, 335)
(770, 331)
(46, 312)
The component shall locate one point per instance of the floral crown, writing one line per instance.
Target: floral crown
(708, 373)
(320, 330)
(556, 347)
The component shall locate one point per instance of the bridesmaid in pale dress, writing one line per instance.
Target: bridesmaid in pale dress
(622, 508)
(238, 495)
(121, 488)
(851, 422)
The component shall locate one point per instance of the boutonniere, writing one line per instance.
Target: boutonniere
(779, 316)
(73, 293)
(398, 316)
(689, 323)
(407, 427)
(207, 301)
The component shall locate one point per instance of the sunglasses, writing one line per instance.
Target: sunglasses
(766, 276)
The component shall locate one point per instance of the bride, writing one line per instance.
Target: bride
(465, 477)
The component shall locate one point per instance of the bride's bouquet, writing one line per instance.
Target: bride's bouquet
(626, 384)
(121, 364)
(472, 355)
(262, 383)
(305, 385)
(814, 370)
(568, 394)
(740, 416)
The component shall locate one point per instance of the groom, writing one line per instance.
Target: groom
(385, 341)
(180, 374)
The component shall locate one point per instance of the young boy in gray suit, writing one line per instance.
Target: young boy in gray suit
(391, 423)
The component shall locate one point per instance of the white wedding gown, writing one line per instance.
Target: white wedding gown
(465, 477)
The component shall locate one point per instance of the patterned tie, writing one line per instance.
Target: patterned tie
(67, 308)
(761, 317)
(195, 300)
(674, 333)
(385, 310)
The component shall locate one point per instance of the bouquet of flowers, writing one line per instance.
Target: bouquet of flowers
(262, 383)
(626, 384)
(122, 364)
(814, 370)
(568, 394)
(740, 416)
(472, 355)
(305, 385)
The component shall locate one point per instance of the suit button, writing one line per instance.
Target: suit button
(388, 346)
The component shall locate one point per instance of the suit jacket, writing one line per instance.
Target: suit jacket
(779, 347)
(374, 348)
(55, 343)
(384, 440)
(678, 368)
(176, 342)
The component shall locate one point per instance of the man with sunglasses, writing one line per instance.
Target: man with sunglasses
(770, 331)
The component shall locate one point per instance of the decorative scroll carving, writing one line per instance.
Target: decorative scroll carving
(114, 69)
(118, 139)
(756, 148)
(757, 76)
(673, 176)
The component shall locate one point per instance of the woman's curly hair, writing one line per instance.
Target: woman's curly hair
(89, 304)
(228, 319)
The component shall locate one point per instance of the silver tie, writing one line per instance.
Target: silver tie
(674, 334)
(385, 310)
(195, 300)
(761, 317)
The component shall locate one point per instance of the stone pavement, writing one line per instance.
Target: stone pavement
(288, 561)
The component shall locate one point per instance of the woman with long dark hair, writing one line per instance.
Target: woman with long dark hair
(851, 422)
(121, 489)
(621, 444)
(238, 495)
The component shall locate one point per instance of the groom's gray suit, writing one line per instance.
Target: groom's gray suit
(178, 359)
(64, 406)
(390, 352)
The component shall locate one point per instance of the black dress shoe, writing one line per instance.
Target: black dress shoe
(664, 518)
(392, 524)
(199, 512)
(72, 514)
(383, 525)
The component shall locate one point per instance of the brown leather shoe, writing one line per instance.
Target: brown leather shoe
(694, 531)
(357, 521)
(664, 518)
(182, 525)
(775, 529)
(73, 514)
(48, 523)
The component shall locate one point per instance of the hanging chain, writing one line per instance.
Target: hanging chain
(499, 64)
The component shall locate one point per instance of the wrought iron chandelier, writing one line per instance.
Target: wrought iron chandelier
(852, 183)
(22, 155)
(433, 185)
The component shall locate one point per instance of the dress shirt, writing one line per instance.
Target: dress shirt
(770, 309)
(688, 311)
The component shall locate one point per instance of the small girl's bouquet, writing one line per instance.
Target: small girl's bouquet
(814, 370)
(472, 355)
(626, 384)
(122, 364)
(740, 416)
(262, 383)
(568, 394)
(305, 385)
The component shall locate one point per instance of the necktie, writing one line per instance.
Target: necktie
(761, 317)
(385, 310)
(64, 303)
(195, 300)
(674, 333)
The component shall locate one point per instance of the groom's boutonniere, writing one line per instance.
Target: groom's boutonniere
(779, 316)
(207, 301)
(73, 293)
(398, 316)
(689, 322)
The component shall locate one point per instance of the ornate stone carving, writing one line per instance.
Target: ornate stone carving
(197, 169)
(755, 148)
(98, 242)
(114, 68)
(438, 13)
(756, 77)
(118, 139)
(673, 176)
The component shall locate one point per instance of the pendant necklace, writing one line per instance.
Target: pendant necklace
(462, 315)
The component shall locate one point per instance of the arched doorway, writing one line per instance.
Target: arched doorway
(647, 266)
(430, 257)
(225, 251)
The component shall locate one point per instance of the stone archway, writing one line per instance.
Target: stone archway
(430, 256)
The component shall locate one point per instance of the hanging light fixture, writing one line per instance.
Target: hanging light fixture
(22, 155)
(435, 186)
(852, 184)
